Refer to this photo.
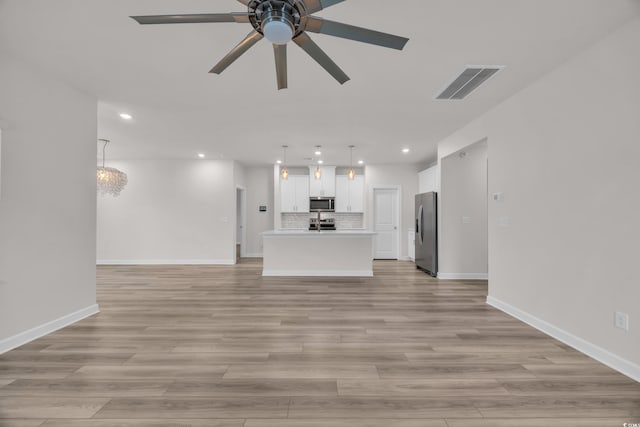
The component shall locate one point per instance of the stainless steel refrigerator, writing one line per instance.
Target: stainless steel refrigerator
(427, 232)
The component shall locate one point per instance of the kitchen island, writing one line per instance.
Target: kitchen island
(339, 253)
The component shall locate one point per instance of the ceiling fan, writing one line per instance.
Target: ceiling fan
(281, 21)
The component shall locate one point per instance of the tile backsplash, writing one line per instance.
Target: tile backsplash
(347, 221)
(295, 220)
(344, 221)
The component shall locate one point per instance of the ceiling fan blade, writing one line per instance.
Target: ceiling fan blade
(346, 31)
(280, 51)
(314, 6)
(192, 18)
(253, 38)
(305, 42)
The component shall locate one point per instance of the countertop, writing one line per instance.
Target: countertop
(336, 233)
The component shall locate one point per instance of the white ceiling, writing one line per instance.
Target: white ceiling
(159, 74)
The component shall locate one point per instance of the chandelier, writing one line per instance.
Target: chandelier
(109, 180)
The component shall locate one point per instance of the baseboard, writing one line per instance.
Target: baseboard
(317, 273)
(47, 328)
(463, 276)
(613, 361)
(256, 255)
(405, 258)
(165, 262)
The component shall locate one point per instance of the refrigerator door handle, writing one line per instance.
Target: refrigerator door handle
(420, 228)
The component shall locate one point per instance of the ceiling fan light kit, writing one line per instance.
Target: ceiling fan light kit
(277, 22)
(282, 21)
(278, 32)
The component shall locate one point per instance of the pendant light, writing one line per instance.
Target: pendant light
(352, 173)
(318, 173)
(109, 180)
(284, 173)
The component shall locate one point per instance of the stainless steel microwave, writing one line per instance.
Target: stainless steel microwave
(322, 204)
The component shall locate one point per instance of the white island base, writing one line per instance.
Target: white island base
(312, 253)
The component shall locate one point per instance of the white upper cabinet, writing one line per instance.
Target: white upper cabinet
(294, 194)
(326, 185)
(429, 180)
(349, 194)
(356, 194)
(342, 193)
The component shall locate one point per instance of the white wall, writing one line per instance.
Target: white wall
(260, 192)
(239, 175)
(564, 152)
(173, 212)
(401, 175)
(239, 201)
(463, 246)
(241, 187)
(47, 203)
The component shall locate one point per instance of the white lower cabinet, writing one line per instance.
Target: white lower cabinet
(349, 194)
(294, 194)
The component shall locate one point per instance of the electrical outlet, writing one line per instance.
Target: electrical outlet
(621, 320)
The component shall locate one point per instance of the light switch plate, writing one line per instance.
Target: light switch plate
(621, 320)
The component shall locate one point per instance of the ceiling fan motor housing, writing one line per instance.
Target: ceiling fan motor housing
(278, 13)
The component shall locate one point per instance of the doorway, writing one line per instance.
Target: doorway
(463, 218)
(241, 223)
(386, 218)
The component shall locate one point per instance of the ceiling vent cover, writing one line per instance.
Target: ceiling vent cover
(470, 79)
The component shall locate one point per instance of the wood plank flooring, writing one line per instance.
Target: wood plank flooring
(225, 347)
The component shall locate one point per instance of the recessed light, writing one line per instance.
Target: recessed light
(361, 162)
(126, 116)
(320, 162)
(279, 162)
(201, 155)
(405, 150)
(318, 151)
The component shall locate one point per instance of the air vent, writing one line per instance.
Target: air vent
(470, 79)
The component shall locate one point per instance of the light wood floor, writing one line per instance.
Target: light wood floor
(222, 346)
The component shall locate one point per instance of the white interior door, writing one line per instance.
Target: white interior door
(385, 223)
